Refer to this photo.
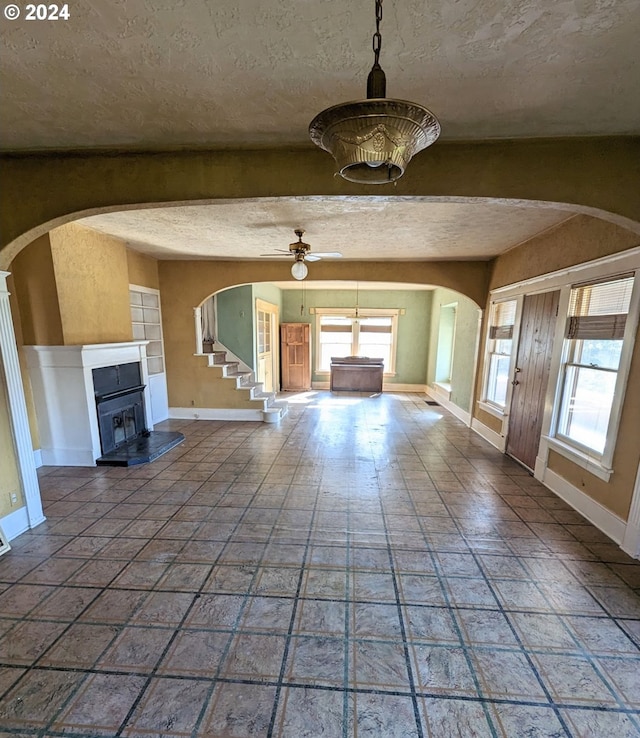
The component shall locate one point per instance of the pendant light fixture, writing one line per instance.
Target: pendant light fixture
(373, 140)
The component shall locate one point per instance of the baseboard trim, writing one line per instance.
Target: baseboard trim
(631, 542)
(37, 457)
(67, 457)
(400, 387)
(442, 396)
(213, 413)
(15, 523)
(606, 521)
(386, 387)
(495, 439)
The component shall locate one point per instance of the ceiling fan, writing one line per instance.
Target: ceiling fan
(301, 253)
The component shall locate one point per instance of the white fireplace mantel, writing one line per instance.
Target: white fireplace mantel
(62, 383)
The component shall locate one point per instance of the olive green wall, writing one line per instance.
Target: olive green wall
(464, 346)
(44, 190)
(575, 241)
(235, 322)
(236, 314)
(413, 326)
(269, 293)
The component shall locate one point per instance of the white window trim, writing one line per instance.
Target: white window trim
(563, 280)
(494, 410)
(446, 383)
(484, 403)
(392, 313)
(599, 464)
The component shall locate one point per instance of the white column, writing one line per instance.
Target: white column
(18, 409)
(197, 316)
(631, 541)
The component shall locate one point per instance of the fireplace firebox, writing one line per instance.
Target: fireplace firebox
(119, 394)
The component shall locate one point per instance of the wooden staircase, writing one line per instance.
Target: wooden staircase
(246, 394)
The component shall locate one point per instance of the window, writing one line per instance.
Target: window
(446, 338)
(591, 361)
(371, 333)
(500, 345)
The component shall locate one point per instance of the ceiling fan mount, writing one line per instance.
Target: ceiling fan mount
(299, 247)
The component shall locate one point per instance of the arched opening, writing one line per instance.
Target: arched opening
(185, 283)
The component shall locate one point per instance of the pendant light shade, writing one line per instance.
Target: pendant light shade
(373, 140)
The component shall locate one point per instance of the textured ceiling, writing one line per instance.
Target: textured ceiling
(191, 73)
(362, 228)
(145, 73)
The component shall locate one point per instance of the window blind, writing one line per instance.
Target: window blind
(364, 328)
(599, 311)
(504, 316)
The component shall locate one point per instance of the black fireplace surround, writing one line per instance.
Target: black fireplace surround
(119, 394)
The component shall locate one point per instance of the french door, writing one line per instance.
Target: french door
(267, 354)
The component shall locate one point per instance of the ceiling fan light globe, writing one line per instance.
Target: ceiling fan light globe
(299, 270)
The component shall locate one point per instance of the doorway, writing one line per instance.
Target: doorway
(531, 376)
(267, 355)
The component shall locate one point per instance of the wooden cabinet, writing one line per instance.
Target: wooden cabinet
(295, 356)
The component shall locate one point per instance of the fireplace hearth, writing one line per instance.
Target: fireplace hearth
(94, 397)
(124, 437)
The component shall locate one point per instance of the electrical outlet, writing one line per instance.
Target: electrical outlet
(14, 498)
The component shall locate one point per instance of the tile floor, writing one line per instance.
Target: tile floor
(369, 567)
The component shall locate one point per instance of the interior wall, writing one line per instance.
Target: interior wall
(576, 241)
(269, 293)
(142, 270)
(464, 345)
(92, 283)
(185, 284)
(9, 474)
(413, 327)
(43, 190)
(235, 322)
(36, 292)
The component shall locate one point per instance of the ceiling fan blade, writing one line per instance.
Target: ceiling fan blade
(325, 255)
(312, 257)
(284, 255)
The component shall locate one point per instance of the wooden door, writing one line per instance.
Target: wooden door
(266, 366)
(296, 356)
(537, 329)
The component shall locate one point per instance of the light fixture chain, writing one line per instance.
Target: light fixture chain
(377, 36)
